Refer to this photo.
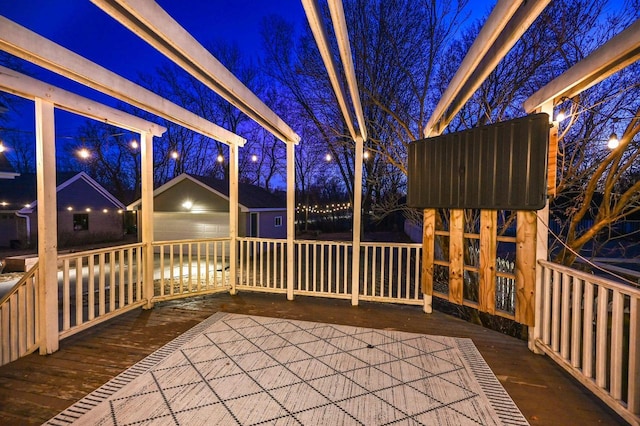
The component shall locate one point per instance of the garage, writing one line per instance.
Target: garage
(187, 225)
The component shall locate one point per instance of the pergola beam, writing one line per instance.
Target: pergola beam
(155, 26)
(497, 20)
(513, 27)
(336, 10)
(25, 44)
(27, 87)
(312, 11)
(619, 52)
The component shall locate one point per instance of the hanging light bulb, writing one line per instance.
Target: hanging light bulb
(254, 158)
(614, 142)
(84, 153)
(327, 157)
(2, 147)
(560, 116)
(134, 144)
(220, 158)
(174, 155)
(365, 155)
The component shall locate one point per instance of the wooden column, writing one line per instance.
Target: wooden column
(146, 167)
(525, 267)
(428, 255)
(291, 229)
(357, 222)
(488, 246)
(47, 226)
(233, 216)
(456, 256)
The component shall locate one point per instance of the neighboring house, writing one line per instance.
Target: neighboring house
(87, 213)
(193, 207)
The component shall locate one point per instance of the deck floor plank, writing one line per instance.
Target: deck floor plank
(35, 388)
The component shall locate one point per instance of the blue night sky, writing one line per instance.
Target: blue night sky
(83, 28)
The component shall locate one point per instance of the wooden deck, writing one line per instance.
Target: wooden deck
(35, 388)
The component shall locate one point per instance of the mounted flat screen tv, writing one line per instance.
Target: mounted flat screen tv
(499, 166)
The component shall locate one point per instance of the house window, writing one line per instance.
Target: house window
(80, 222)
(278, 221)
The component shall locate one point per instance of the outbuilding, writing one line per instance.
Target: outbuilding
(195, 207)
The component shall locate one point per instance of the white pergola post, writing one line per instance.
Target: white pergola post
(542, 245)
(291, 217)
(47, 226)
(146, 159)
(233, 216)
(357, 222)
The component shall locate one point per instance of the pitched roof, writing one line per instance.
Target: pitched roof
(250, 196)
(22, 190)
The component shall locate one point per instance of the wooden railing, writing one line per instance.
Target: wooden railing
(323, 268)
(591, 327)
(190, 267)
(97, 285)
(19, 318)
(262, 265)
(390, 272)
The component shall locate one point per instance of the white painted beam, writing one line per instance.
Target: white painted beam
(512, 32)
(155, 26)
(619, 52)
(497, 20)
(320, 35)
(342, 35)
(27, 87)
(47, 227)
(357, 222)
(146, 167)
(26, 44)
(233, 216)
(291, 218)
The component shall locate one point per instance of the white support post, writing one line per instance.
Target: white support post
(47, 226)
(146, 158)
(291, 229)
(542, 247)
(357, 222)
(233, 216)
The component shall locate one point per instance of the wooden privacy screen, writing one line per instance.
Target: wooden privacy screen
(474, 272)
(501, 166)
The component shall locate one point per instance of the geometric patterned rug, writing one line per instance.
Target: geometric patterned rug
(248, 370)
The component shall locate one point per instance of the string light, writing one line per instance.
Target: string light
(220, 158)
(613, 142)
(254, 158)
(174, 155)
(84, 153)
(561, 116)
(328, 157)
(365, 155)
(2, 147)
(134, 144)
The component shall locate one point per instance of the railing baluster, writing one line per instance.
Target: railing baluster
(79, 291)
(199, 263)
(601, 337)
(112, 281)
(101, 285)
(587, 332)
(91, 291)
(617, 322)
(633, 400)
(66, 310)
(576, 324)
(121, 286)
(555, 309)
(565, 316)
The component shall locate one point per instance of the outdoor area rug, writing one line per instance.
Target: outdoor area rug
(247, 370)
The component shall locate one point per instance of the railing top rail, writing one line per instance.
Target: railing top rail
(98, 251)
(622, 288)
(324, 242)
(192, 241)
(275, 240)
(389, 244)
(28, 275)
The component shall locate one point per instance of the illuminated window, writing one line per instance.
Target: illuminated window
(81, 222)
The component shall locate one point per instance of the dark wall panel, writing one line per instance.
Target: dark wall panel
(500, 166)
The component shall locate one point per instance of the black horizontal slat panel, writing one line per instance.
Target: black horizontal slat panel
(500, 166)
